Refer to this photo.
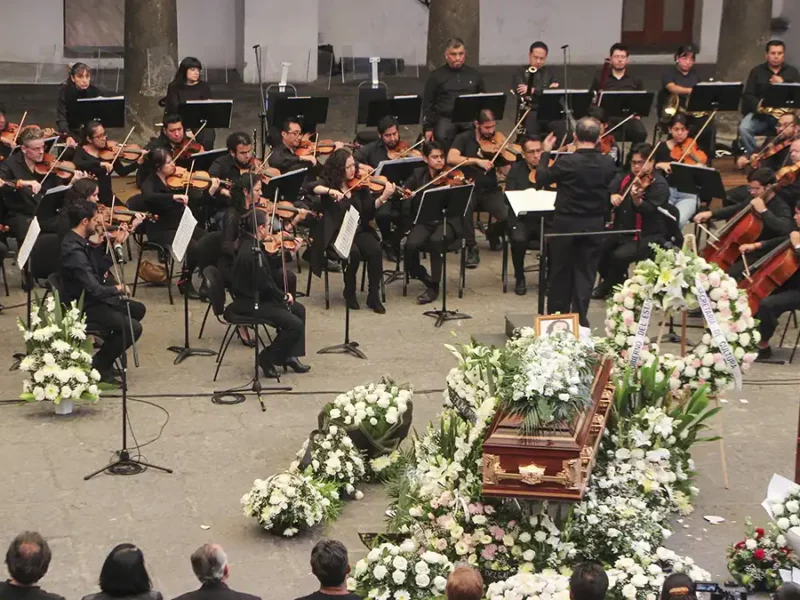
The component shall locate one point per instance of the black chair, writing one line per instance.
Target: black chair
(674, 233)
(456, 247)
(136, 203)
(44, 257)
(791, 318)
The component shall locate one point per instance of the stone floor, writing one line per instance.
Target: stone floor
(216, 451)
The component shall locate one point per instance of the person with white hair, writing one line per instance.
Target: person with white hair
(210, 566)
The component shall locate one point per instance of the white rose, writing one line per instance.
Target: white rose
(751, 544)
(400, 563)
(422, 580)
(792, 506)
(784, 523)
(529, 555)
(540, 536)
(379, 572)
(629, 303)
(398, 577)
(629, 591)
(440, 583)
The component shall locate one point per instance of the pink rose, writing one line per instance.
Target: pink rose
(476, 508)
(697, 363)
(717, 357)
(489, 552)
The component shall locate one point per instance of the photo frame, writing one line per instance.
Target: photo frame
(548, 324)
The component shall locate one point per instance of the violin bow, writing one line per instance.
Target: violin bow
(53, 166)
(699, 133)
(193, 137)
(189, 181)
(508, 138)
(615, 127)
(409, 149)
(122, 146)
(437, 178)
(19, 128)
(637, 178)
(263, 164)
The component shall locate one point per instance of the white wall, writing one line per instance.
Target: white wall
(287, 31)
(207, 30)
(33, 31)
(391, 29)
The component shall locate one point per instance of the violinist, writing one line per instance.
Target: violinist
(284, 156)
(169, 204)
(5, 145)
(231, 168)
(543, 78)
(787, 129)
(776, 212)
(523, 229)
(172, 138)
(87, 158)
(582, 200)
(186, 86)
(252, 276)
(76, 87)
(783, 299)
(336, 197)
(758, 121)
(479, 167)
(672, 150)
(82, 278)
(617, 78)
(444, 85)
(634, 209)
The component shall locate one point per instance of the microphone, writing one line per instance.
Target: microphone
(565, 46)
(119, 254)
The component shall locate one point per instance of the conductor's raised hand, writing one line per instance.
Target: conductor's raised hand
(549, 142)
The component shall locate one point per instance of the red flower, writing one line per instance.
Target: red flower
(759, 533)
(740, 545)
(759, 554)
(786, 550)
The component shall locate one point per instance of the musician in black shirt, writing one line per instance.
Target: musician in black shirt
(284, 156)
(6, 146)
(81, 276)
(172, 137)
(543, 78)
(252, 276)
(582, 202)
(77, 87)
(186, 86)
(444, 85)
(619, 80)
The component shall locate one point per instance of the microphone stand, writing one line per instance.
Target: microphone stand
(567, 103)
(124, 464)
(262, 112)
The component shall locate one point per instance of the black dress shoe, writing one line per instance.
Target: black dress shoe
(600, 292)
(494, 243)
(109, 378)
(428, 296)
(391, 254)
(764, 354)
(267, 367)
(520, 289)
(186, 287)
(351, 301)
(375, 304)
(473, 258)
(295, 365)
(334, 266)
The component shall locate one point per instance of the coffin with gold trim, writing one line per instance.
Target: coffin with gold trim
(555, 463)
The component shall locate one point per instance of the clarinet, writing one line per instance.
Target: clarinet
(525, 100)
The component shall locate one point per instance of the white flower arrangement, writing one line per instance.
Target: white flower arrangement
(375, 407)
(641, 577)
(288, 502)
(402, 573)
(333, 458)
(58, 355)
(669, 280)
(785, 509)
(468, 382)
(547, 585)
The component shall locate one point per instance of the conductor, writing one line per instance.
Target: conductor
(582, 201)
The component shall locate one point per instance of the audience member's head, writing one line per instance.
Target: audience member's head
(210, 563)
(464, 583)
(28, 558)
(124, 573)
(588, 582)
(788, 591)
(329, 563)
(678, 586)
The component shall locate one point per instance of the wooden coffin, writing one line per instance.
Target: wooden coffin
(554, 464)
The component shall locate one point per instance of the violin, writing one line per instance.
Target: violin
(607, 143)
(403, 150)
(284, 210)
(771, 150)
(769, 273)
(455, 177)
(200, 180)
(129, 152)
(60, 168)
(323, 147)
(11, 133)
(257, 166)
(492, 146)
(375, 183)
(187, 147)
(124, 215)
(275, 242)
(694, 157)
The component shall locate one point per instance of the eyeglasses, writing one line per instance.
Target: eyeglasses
(298, 132)
(638, 162)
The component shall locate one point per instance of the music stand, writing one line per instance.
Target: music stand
(715, 96)
(310, 111)
(782, 95)
(109, 111)
(399, 170)
(552, 104)
(286, 186)
(437, 204)
(406, 110)
(621, 104)
(705, 182)
(203, 160)
(467, 106)
(215, 114)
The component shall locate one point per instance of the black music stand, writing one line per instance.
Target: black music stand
(621, 104)
(407, 110)
(552, 104)
(705, 182)
(467, 106)
(436, 205)
(214, 114)
(399, 170)
(286, 186)
(718, 96)
(782, 95)
(203, 160)
(310, 111)
(109, 111)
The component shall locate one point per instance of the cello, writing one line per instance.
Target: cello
(769, 273)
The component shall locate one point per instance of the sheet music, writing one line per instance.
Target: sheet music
(531, 201)
(184, 234)
(217, 151)
(27, 245)
(344, 241)
(58, 189)
(101, 99)
(214, 101)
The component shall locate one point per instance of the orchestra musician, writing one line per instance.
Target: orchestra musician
(82, 277)
(172, 137)
(775, 212)
(543, 78)
(169, 204)
(487, 195)
(5, 145)
(444, 85)
(773, 70)
(336, 197)
(636, 209)
(523, 229)
(87, 158)
(252, 276)
(618, 79)
(429, 236)
(77, 86)
(284, 156)
(186, 86)
(582, 198)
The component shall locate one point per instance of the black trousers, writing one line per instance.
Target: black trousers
(290, 323)
(619, 253)
(428, 237)
(365, 247)
(390, 219)
(192, 258)
(493, 202)
(521, 231)
(573, 264)
(111, 321)
(773, 306)
(445, 131)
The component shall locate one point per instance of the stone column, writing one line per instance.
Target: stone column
(453, 18)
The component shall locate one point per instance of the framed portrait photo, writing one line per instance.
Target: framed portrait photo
(550, 324)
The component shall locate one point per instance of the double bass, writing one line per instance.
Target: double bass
(769, 273)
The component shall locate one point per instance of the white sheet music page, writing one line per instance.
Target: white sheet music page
(184, 234)
(27, 244)
(531, 201)
(344, 241)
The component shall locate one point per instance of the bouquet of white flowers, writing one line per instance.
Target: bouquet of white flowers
(630, 580)
(547, 585)
(785, 509)
(376, 416)
(332, 457)
(288, 502)
(402, 573)
(58, 355)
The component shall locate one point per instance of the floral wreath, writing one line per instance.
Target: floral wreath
(669, 280)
